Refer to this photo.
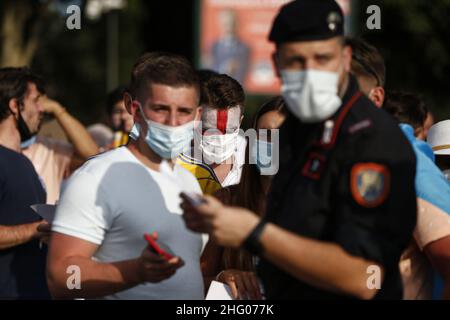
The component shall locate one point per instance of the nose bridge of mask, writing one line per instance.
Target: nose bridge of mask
(298, 78)
(172, 132)
(325, 80)
(218, 140)
(292, 80)
(311, 95)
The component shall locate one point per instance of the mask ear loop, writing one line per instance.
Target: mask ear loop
(135, 102)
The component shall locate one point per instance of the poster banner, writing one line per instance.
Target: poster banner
(233, 40)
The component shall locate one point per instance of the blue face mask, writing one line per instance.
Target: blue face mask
(28, 142)
(134, 133)
(262, 154)
(167, 141)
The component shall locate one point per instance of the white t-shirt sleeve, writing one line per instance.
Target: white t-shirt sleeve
(82, 211)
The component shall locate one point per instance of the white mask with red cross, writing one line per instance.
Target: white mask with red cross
(217, 135)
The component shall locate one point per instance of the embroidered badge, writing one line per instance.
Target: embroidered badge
(370, 184)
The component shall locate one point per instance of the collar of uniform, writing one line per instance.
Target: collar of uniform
(330, 128)
(352, 89)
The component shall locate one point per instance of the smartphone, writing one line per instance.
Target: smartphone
(159, 247)
(194, 199)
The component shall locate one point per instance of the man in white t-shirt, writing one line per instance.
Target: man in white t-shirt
(116, 197)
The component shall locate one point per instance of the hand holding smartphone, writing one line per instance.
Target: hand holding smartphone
(159, 247)
(193, 198)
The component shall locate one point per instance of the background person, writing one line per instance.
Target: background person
(234, 267)
(120, 120)
(431, 242)
(119, 195)
(343, 198)
(439, 140)
(22, 257)
(218, 151)
(54, 160)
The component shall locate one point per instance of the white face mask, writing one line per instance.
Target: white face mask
(311, 95)
(216, 148)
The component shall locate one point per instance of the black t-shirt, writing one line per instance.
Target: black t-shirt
(22, 268)
(352, 186)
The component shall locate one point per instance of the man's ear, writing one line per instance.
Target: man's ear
(240, 121)
(14, 107)
(275, 64)
(347, 56)
(199, 111)
(377, 96)
(132, 108)
(127, 100)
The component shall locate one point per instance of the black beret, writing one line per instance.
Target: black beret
(307, 20)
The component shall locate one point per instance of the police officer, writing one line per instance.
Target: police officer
(342, 206)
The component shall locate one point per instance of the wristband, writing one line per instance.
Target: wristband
(253, 244)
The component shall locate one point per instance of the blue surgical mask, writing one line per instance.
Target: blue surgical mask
(167, 141)
(134, 133)
(262, 154)
(29, 142)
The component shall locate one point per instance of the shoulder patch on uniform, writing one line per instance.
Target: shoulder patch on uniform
(370, 184)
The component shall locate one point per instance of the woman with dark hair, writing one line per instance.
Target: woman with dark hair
(235, 267)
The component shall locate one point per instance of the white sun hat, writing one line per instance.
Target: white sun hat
(439, 138)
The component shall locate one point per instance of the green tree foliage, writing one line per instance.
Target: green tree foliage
(74, 61)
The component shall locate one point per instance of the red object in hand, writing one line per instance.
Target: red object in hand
(159, 248)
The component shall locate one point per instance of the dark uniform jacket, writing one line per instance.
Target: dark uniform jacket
(349, 181)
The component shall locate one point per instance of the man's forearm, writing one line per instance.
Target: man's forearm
(77, 134)
(320, 264)
(11, 236)
(96, 279)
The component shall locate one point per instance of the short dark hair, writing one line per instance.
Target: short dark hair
(114, 97)
(14, 85)
(162, 68)
(144, 60)
(366, 60)
(276, 103)
(406, 107)
(221, 91)
(205, 74)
